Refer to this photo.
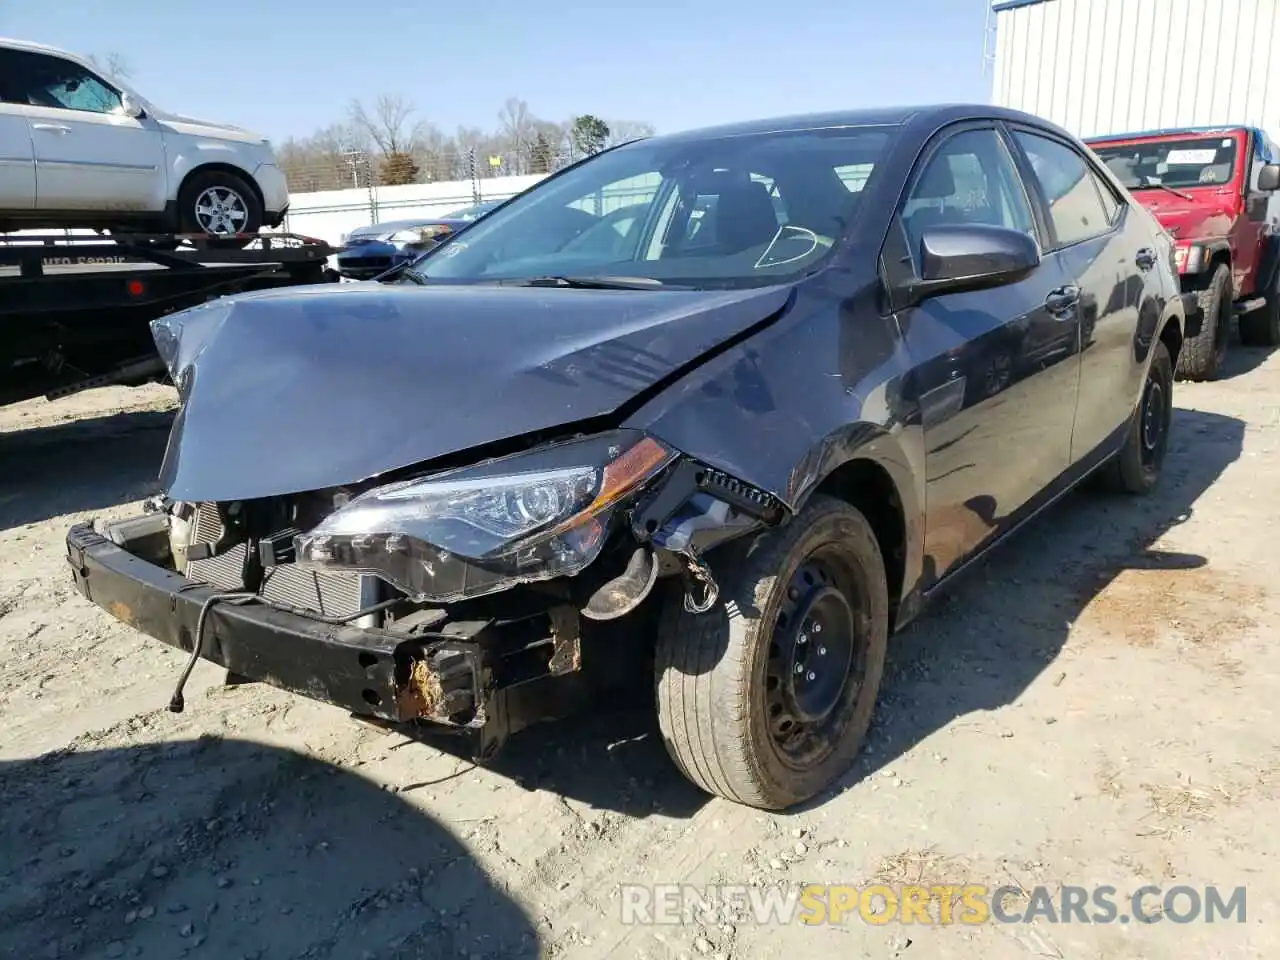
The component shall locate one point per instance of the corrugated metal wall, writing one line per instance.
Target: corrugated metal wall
(1111, 66)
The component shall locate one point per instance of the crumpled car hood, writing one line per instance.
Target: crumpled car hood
(295, 390)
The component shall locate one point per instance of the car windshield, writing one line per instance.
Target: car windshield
(1188, 162)
(725, 211)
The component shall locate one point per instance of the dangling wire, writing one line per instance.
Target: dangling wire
(176, 702)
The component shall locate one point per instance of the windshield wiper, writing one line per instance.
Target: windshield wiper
(1163, 186)
(591, 283)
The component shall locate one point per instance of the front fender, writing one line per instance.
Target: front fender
(787, 408)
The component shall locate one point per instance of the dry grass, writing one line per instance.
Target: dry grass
(924, 868)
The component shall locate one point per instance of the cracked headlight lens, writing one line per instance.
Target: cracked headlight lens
(465, 533)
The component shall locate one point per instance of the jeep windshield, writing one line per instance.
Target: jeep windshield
(1186, 162)
(734, 211)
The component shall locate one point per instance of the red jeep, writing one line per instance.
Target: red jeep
(1214, 190)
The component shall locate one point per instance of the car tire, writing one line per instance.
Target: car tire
(229, 194)
(1202, 356)
(1137, 468)
(1261, 328)
(736, 718)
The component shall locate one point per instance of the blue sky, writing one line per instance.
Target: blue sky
(287, 67)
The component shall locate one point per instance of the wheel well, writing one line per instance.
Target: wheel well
(224, 168)
(1171, 337)
(868, 486)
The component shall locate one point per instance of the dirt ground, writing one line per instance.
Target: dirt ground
(1096, 705)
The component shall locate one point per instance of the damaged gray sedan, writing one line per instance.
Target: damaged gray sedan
(714, 412)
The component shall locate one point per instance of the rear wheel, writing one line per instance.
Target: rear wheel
(1140, 462)
(1202, 355)
(766, 699)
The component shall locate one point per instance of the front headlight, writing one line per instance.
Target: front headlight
(468, 532)
(418, 234)
(1188, 258)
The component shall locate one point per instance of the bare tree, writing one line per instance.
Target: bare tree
(385, 143)
(112, 64)
(330, 159)
(389, 123)
(518, 128)
(621, 131)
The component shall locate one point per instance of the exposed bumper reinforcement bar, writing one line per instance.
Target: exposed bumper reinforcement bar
(350, 667)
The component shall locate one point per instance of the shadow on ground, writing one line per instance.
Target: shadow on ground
(608, 757)
(979, 647)
(87, 464)
(243, 849)
(1241, 359)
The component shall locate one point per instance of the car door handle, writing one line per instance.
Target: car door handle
(1145, 258)
(51, 127)
(1062, 301)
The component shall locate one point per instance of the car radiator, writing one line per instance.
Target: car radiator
(329, 594)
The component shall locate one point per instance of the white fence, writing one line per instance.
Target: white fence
(330, 214)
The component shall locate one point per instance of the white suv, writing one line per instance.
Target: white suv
(78, 150)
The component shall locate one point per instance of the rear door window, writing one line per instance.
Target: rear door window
(1076, 208)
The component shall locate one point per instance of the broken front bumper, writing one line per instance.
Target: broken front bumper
(368, 672)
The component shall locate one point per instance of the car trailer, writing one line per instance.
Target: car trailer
(75, 312)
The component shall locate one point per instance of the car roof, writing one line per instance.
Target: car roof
(938, 113)
(32, 47)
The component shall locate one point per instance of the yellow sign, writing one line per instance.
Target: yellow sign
(495, 161)
(880, 904)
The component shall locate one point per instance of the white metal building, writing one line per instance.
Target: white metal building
(1112, 66)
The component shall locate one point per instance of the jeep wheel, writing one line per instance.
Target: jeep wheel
(766, 699)
(1202, 355)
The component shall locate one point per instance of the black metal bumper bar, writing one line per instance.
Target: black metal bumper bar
(350, 667)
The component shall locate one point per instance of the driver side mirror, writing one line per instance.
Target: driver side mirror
(1269, 177)
(957, 257)
(131, 108)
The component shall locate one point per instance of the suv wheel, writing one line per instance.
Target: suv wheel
(1202, 355)
(221, 206)
(765, 699)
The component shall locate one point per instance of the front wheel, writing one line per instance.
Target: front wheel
(766, 699)
(221, 206)
(1202, 356)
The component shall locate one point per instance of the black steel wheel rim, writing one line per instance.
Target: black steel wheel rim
(1154, 421)
(817, 662)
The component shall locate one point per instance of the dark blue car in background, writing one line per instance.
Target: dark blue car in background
(369, 251)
